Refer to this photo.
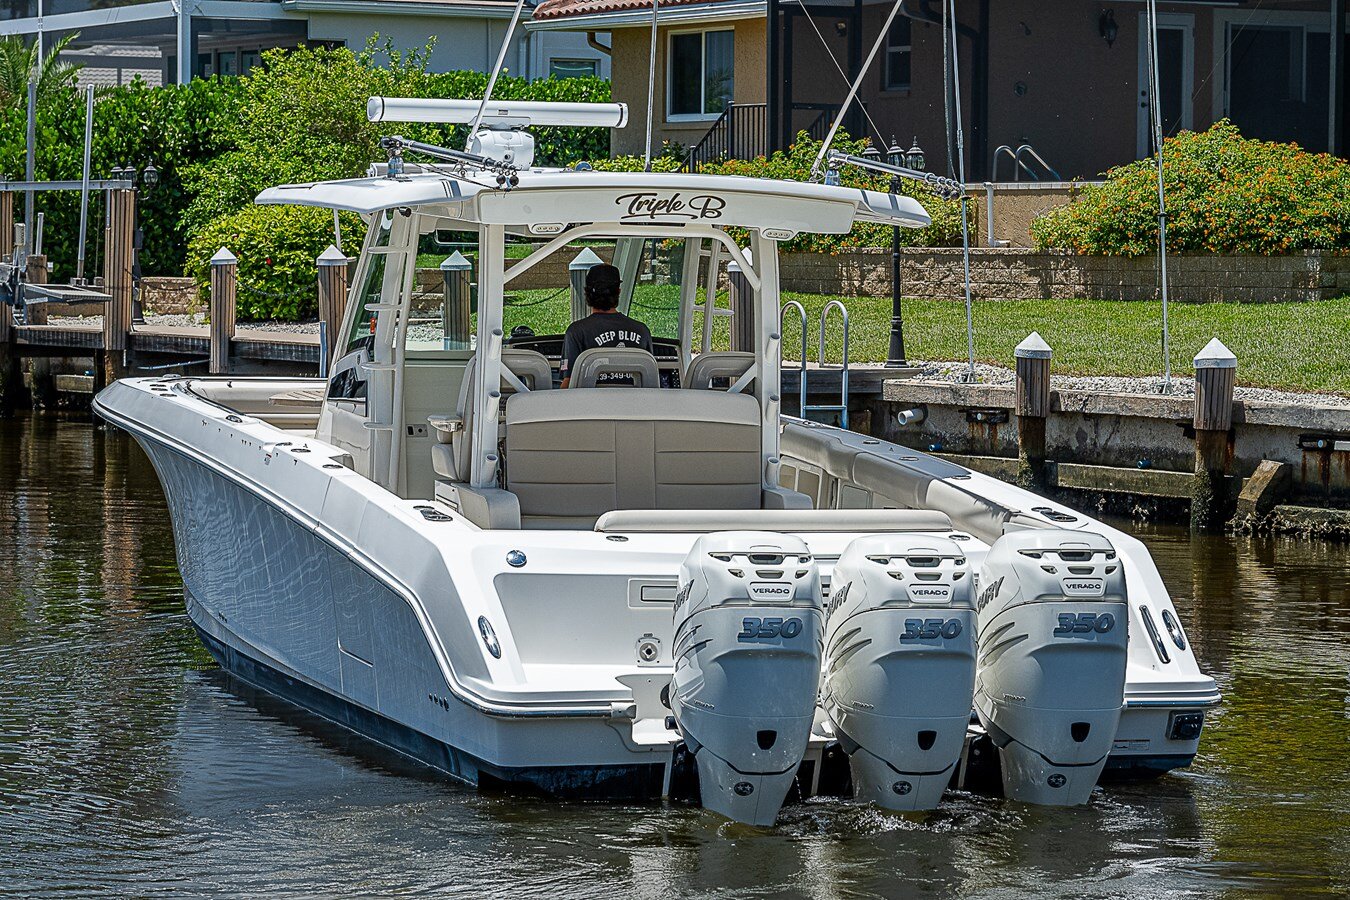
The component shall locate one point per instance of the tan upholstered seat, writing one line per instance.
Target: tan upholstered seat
(631, 361)
(707, 368)
(450, 455)
(574, 455)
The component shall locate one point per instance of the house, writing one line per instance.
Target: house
(164, 41)
(1068, 77)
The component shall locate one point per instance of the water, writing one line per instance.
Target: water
(129, 764)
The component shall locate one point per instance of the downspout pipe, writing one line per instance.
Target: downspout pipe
(593, 41)
(922, 11)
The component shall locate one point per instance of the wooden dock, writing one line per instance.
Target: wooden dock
(193, 342)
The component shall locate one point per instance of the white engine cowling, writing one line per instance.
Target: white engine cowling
(1053, 640)
(900, 665)
(747, 667)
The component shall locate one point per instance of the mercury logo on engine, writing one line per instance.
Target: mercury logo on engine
(770, 590)
(1083, 587)
(989, 594)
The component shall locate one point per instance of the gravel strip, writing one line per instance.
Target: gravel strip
(1182, 386)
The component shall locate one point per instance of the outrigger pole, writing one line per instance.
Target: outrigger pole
(949, 12)
(651, 91)
(1156, 125)
(853, 90)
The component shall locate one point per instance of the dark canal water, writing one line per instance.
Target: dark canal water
(130, 765)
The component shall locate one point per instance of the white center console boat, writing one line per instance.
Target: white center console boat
(601, 591)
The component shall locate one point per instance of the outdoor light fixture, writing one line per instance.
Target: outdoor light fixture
(872, 153)
(841, 28)
(894, 154)
(1107, 28)
(150, 176)
(914, 158)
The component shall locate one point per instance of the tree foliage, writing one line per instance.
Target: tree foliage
(19, 65)
(1225, 194)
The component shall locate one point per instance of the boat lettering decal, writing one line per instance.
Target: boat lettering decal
(921, 629)
(838, 599)
(650, 205)
(989, 594)
(1084, 623)
(756, 629)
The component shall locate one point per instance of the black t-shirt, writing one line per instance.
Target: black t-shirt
(602, 330)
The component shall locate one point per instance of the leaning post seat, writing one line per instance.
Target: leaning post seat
(632, 362)
(577, 454)
(706, 369)
(450, 453)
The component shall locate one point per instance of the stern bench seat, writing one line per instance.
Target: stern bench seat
(572, 456)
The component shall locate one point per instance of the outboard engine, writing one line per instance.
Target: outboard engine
(747, 667)
(1050, 685)
(900, 665)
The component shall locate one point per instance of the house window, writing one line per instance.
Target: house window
(571, 68)
(699, 74)
(898, 53)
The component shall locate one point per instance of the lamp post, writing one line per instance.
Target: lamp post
(914, 159)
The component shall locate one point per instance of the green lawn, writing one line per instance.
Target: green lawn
(1297, 346)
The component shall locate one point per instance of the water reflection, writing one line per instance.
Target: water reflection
(130, 764)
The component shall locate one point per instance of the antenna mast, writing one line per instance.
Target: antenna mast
(496, 70)
(651, 91)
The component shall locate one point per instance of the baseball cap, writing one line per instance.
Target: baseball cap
(603, 277)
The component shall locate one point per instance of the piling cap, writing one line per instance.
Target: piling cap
(224, 257)
(332, 257)
(734, 266)
(1215, 356)
(1033, 347)
(456, 262)
(584, 260)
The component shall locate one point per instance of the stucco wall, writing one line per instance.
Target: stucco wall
(629, 66)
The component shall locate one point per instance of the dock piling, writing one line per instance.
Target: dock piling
(742, 301)
(117, 266)
(36, 314)
(1215, 378)
(576, 273)
(1032, 407)
(332, 265)
(224, 288)
(457, 278)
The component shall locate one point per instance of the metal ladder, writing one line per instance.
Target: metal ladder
(842, 406)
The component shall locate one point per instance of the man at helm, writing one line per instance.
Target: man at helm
(605, 326)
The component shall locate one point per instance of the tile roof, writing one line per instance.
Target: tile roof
(558, 9)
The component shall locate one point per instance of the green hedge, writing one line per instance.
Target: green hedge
(1225, 194)
(303, 118)
(276, 247)
(172, 126)
(795, 165)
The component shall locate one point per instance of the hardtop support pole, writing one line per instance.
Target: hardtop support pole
(487, 397)
(769, 356)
